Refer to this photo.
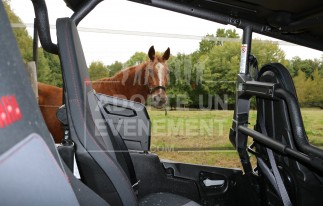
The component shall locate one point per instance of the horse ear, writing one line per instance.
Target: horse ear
(166, 54)
(151, 53)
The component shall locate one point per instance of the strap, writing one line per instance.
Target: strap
(265, 169)
(278, 179)
(123, 148)
(151, 90)
(280, 184)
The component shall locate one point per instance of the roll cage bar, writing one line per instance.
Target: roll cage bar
(248, 87)
(42, 22)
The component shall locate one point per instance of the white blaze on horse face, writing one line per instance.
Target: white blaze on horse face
(160, 68)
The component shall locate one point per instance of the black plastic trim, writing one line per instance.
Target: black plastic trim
(82, 11)
(192, 8)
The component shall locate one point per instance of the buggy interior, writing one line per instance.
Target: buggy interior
(116, 169)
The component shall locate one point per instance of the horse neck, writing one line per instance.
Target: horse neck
(126, 83)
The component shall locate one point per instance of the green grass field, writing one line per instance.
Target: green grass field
(201, 137)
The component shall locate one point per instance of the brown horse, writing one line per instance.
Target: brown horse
(135, 83)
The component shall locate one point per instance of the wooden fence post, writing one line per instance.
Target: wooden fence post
(32, 72)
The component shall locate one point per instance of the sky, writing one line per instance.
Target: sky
(116, 21)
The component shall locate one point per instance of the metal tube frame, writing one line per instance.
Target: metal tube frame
(35, 46)
(84, 10)
(246, 88)
(241, 112)
(42, 24)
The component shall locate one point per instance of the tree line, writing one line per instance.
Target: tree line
(48, 64)
(204, 79)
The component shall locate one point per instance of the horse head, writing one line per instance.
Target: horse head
(157, 77)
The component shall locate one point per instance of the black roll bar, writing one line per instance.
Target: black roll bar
(42, 24)
(307, 153)
(297, 124)
(241, 112)
(246, 88)
(84, 10)
(281, 148)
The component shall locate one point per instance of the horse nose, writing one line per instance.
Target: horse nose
(161, 99)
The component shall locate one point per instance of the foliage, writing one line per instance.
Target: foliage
(43, 71)
(24, 41)
(307, 66)
(115, 67)
(48, 69)
(267, 51)
(309, 90)
(230, 33)
(136, 59)
(209, 41)
(55, 69)
(208, 75)
(98, 70)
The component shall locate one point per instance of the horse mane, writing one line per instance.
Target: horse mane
(128, 69)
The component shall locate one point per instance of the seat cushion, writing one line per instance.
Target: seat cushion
(165, 199)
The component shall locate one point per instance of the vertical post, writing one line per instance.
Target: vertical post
(241, 112)
(245, 50)
(35, 46)
(32, 73)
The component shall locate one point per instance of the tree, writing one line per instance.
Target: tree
(222, 66)
(316, 93)
(43, 71)
(227, 33)
(307, 66)
(98, 70)
(208, 75)
(309, 90)
(23, 39)
(136, 59)
(207, 43)
(114, 68)
(25, 44)
(301, 87)
(230, 33)
(267, 51)
(55, 67)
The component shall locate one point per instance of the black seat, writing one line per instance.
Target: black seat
(277, 119)
(31, 171)
(103, 170)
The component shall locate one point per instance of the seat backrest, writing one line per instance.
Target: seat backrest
(303, 184)
(31, 171)
(100, 167)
